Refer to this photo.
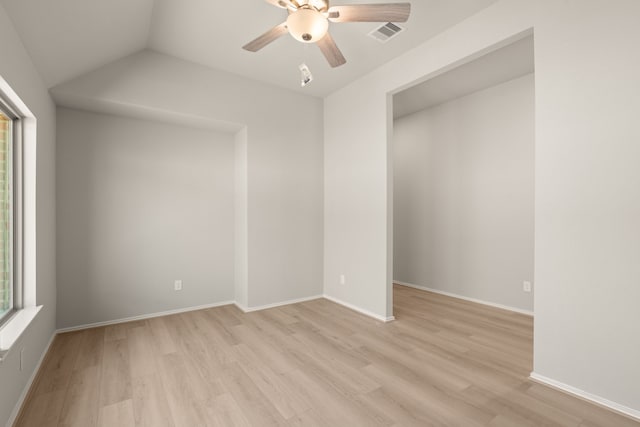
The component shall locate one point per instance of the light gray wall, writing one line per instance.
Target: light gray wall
(587, 203)
(241, 245)
(141, 204)
(283, 157)
(587, 198)
(463, 195)
(17, 69)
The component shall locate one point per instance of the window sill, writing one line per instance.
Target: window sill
(13, 329)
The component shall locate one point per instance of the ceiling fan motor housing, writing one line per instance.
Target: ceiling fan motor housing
(307, 25)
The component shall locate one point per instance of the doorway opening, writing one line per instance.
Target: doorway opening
(463, 181)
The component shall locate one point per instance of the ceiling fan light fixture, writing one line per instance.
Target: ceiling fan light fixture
(307, 25)
(308, 22)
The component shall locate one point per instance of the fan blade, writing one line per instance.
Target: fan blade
(381, 12)
(330, 51)
(285, 4)
(266, 38)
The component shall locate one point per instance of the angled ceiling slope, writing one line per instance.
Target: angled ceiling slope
(67, 38)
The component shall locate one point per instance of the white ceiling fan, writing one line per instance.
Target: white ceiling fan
(308, 22)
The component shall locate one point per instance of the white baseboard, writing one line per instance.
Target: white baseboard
(360, 310)
(184, 310)
(143, 316)
(27, 387)
(462, 297)
(276, 304)
(600, 401)
(241, 307)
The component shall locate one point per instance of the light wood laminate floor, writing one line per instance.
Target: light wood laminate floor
(443, 362)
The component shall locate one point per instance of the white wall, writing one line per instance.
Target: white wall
(141, 204)
(587, 206)
(355, 199)
(463, 195)
(283, 156)
(241, 257)
(17, 69)
(587, 198)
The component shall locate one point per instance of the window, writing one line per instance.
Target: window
(18, 141)
(9, 289)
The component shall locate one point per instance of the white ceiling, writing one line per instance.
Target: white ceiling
(67, 38)
(507, 63)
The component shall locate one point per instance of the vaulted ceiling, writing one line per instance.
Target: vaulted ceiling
(67, 38)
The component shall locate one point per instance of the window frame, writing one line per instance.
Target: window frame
(25, 233)
(14, 155)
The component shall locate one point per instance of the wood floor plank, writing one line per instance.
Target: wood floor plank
(272, 349)
(81, 402)
(397, 410)
(210, 344)
(255, 405)
(115, 332)
(225, 411)
(184, 393)
(284, 398)
(429, 403)
(443, 362)
(141, 351)
(309, 418)
(334, 407)
(43, 410)
(597, 414)
(91, 348)
(115, 385)
(117, 414)
(150, 405)
(343, 377)
(58, 366)
(514, 405)
(162, 340)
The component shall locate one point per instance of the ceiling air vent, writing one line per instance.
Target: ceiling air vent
(386, 32)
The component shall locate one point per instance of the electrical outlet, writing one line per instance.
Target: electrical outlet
(343, 279)
(177, 285)
(526, 286)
